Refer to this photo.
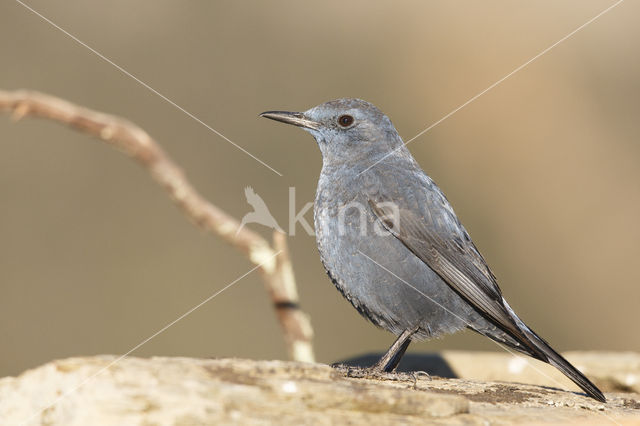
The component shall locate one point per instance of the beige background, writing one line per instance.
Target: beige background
(544, 170)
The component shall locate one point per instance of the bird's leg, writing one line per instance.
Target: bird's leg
(391, 359)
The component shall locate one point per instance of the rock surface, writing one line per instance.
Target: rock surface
(183, 391)
(610, 371)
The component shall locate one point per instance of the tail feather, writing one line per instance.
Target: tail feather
(536, 347)
(558, 361)
(544, 352)
(526, 341)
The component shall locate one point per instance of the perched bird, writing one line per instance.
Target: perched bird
(392, 244)
(260, 213)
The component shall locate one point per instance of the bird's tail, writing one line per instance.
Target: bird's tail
(558, 361)
(528, 342)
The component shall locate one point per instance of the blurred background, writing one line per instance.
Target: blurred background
(543, 170)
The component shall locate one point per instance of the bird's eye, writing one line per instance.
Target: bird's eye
(345, 120)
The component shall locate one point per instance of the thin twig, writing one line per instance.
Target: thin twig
(277, 273)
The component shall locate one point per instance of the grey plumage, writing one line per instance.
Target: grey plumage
(392, 244)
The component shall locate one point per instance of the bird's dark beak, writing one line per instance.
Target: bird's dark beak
(295, 118)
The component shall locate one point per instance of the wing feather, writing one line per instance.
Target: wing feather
(444, 246)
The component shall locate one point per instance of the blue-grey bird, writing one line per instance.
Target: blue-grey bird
(392, 244)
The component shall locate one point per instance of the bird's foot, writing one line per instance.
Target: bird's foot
(373, 372)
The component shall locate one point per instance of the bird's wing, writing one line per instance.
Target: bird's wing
(427, 226)
(253, 199)
(249, 192)
(431, 231)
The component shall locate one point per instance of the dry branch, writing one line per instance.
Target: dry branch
(273, 261)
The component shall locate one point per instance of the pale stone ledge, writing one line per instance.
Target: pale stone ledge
(185, 391)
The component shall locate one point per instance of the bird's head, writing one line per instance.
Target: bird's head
(346, 129)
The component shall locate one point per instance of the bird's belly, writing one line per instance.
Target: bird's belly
(383, 280)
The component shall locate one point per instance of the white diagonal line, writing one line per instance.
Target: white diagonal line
(497, 82)
(120, 358)
(514, 71)
(127, 73)
(468, 324)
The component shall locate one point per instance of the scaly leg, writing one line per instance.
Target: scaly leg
(391, 359)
